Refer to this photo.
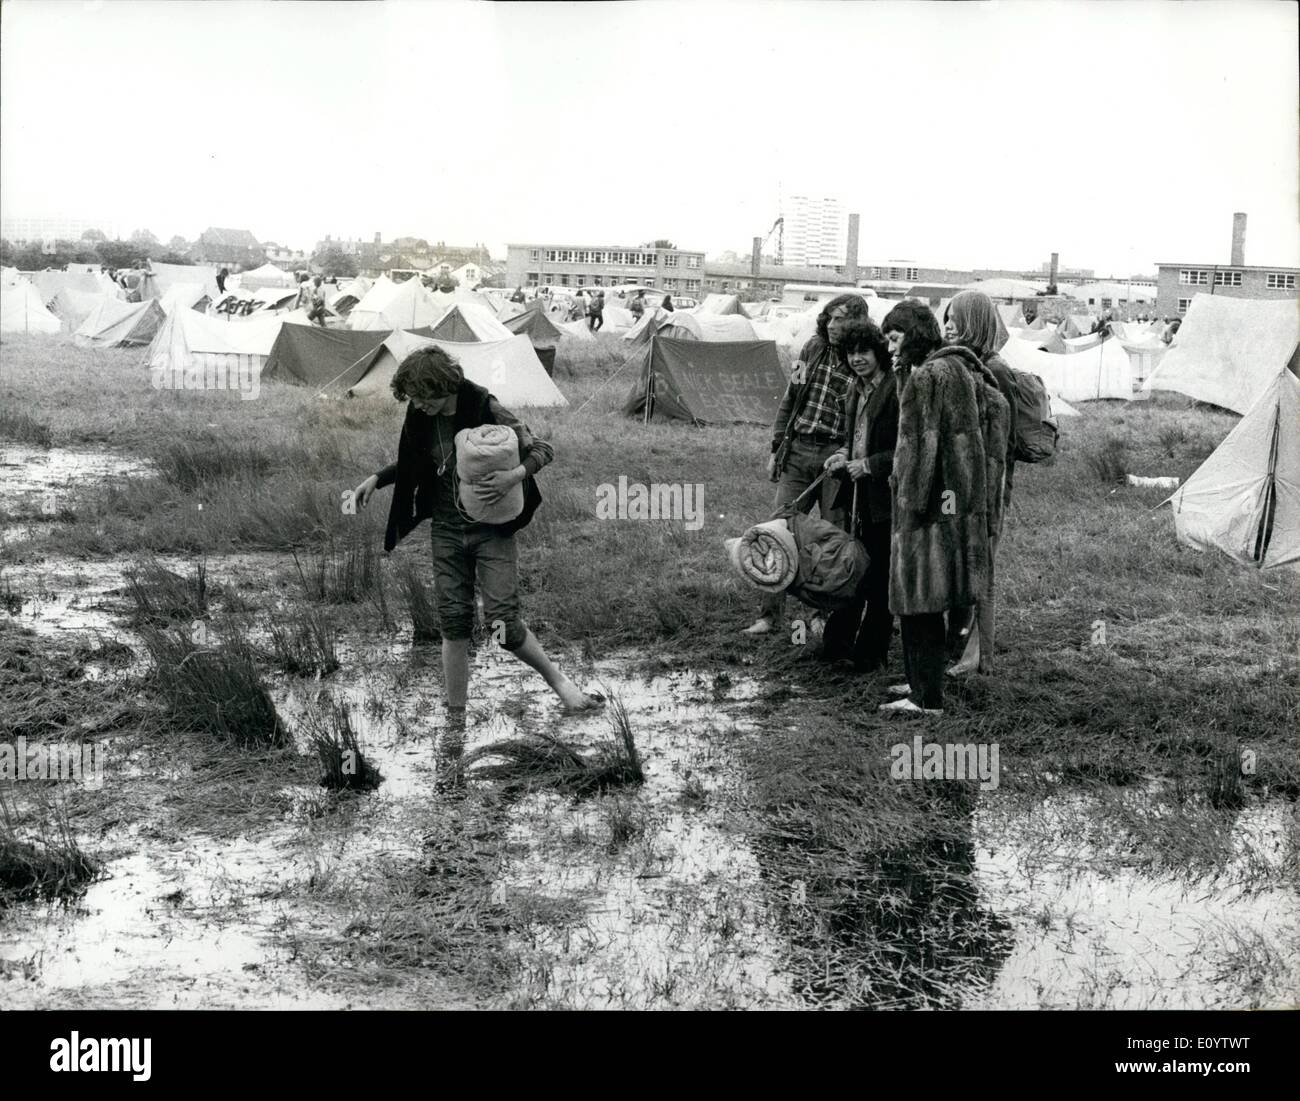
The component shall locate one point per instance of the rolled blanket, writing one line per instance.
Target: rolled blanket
(479, 451)
(766, 556)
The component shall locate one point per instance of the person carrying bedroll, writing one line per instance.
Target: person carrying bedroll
(442, 403)
(862, 631)
(809, 426)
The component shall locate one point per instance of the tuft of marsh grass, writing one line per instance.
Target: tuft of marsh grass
(343, 766)
(345, 573)
(541, 760)
(304, 644)
(49, 865)
(627, 820)
(192, 463)
(23, 428)
(162, 596)
(1109, 461)
(217, 690)
(419, 604)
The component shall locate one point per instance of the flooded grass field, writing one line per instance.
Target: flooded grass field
(726, 833)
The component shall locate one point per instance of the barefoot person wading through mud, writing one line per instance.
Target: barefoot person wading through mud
(442, 402)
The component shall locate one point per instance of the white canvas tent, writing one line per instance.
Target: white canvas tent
(117, 324)
(1244, 500)
(268, 275)
(389, 305)
(185, 296)
(166, 277)
(1102, 371)
(189, 339)
(1228, 350)
(22, 311)
(509, 368)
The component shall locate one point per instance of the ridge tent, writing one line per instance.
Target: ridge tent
(190, 340)
(347, 295)
(168, 276)
(680, 325)
(389, 305)
(9, 276)
(707, 381)
(1102, 371)
(542, 333)
(1053, 343)
(721, 304)
(117, 324)
(1244, 500)
(268, 275)
(1075, 325)
(1079, 343)
(509, 309)
(185, 296)
(466, 322)
(757, 310)
(1229, 349)
(444, 300)
(508, 368)
(1037, 324)
(22, 311)
(48, 284)
(332, 359)
(75, 306)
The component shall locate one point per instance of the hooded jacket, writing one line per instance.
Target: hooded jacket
(949, 464)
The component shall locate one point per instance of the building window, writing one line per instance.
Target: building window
(535, 254)
(670, 284)
(692, 284)
(692, 261)
(1227, 279)
(1280, 281)
(1193, 277)
(670, 260)
(1105, 303)
(1183, 303)
(533, 279)
(649, 282)
(597, 257)
(580, 281)
(564, 280)
(550, 255)
(912, 273)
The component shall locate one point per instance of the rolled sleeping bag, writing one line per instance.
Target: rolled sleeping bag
(766, 556)
(479, 451)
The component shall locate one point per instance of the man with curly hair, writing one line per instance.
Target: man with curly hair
(442, 402)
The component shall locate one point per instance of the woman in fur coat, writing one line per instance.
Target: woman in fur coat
(947, 495)
(972, 321)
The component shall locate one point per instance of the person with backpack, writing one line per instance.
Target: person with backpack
(863, 630)
(946, 495)
(972, 321)
(596, 312)
(668, 303)
(809, 426)
(441, 403)
(637, 306)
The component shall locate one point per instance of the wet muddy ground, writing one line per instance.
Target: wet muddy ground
(232, 880)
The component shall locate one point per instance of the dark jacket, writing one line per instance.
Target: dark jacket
(947, 481)
(874, 495)
(814, 354)
(414, 474)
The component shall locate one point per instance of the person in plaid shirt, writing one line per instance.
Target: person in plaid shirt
(809, 426)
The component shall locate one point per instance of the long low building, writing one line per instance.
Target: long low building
(547, 265)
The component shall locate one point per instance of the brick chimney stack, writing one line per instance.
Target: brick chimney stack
(851, 252)
(1238, 240)
(756, 257)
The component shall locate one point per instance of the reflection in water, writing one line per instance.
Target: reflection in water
(902, 927)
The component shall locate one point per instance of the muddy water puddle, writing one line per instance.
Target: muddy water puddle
(1093, 931)
(37, 480)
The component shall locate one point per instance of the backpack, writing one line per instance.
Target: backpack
(1036, 431)
(831, 563)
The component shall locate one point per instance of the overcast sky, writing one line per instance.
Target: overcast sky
(981, 134)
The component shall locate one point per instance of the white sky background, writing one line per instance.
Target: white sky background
(981, 134)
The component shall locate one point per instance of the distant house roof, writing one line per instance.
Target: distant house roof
(231, 238)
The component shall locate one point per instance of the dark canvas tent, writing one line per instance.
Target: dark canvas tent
(328, 358)
(541, 331)
(467, 323)
(707, 381)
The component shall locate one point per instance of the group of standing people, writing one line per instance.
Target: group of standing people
(909, 435)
